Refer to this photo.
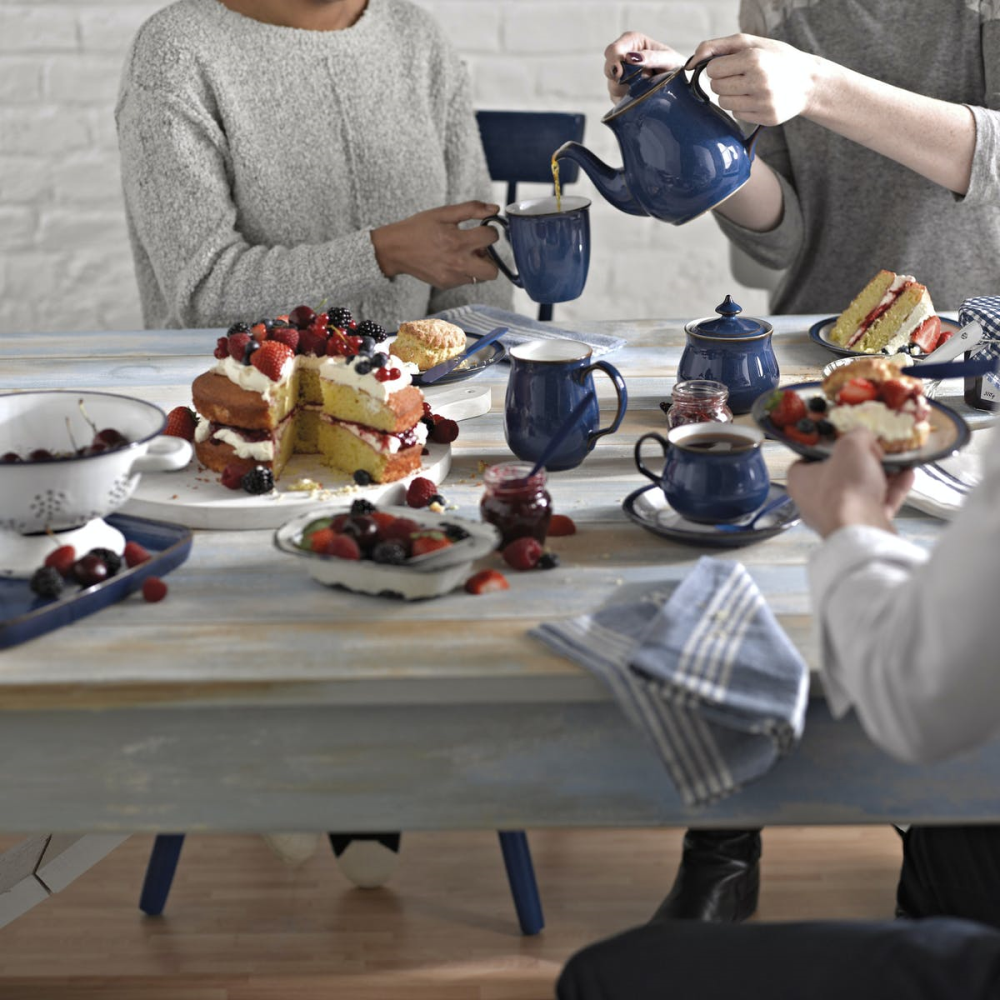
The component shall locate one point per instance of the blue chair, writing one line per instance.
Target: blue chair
(513, 844)
(519, 147)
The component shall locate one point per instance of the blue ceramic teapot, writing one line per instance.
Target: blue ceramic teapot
(682, 155)
(736, 352)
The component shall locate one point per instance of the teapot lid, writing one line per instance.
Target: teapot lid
(728, 326)
(639, 87)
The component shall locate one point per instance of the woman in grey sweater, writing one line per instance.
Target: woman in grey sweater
(278, 152)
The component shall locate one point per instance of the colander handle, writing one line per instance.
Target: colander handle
(165, 454)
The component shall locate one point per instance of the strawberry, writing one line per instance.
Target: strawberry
(420, 491)
(927, 335)
(62, 559)
(271, 358)
(785, 407)
(858, 390)
(319, 540)
(258, 331)
(523, 553)
(181, 423)
(312, 343)
(560, 524)
(154, 589)
(134, 554)
(486, 581)
(428, 541)
(232, 476)
(808, 435)
(238, 345)
(445, 431)
(343, 547)
(286, 335)
(894, 393)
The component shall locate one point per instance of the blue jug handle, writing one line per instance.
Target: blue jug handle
(749, 141)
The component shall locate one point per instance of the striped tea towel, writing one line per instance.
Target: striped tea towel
(985, 309)
(482, 319)
(709, 676)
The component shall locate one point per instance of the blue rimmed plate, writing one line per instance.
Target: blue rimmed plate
(24, 615)
(949, 432)
(478, 363)
(819, 333)
(648, 507)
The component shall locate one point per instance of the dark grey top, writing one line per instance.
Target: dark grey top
(256, 160)
(850, 211)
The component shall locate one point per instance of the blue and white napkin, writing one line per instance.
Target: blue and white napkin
(708, 675)
(985, 309)
(482, 319)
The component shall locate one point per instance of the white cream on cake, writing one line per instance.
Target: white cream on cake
(923, 311)
(889, 425)
(250, 377)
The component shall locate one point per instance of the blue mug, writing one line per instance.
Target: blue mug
(548, 379)
(713, 473)
(551, 249)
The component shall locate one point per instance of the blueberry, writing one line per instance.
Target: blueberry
(367, 345)
(362, 477)
(379, 360)
(805, 425)
(825, 428)
(817, 404)
(252, 346)
(363, 366)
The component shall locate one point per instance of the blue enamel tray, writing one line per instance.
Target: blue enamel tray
(24, 615)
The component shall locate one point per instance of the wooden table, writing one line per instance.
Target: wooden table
(252, 698)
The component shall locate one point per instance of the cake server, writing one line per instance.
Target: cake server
(439, 371)
(964, 340)
(954, 369)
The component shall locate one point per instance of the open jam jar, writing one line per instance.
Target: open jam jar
(516, 504)
(698, 401)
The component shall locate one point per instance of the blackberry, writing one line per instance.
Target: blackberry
(110, 559)
(379, 360)
(363, 366)
(362, 477)
(391, 552)
(548, 560)
(362, 506)
(428, 422)
(46, 582)
(339, 316)
(817, 404)
(825, 428)
(455, 532)
(369, 328)
(237, 328)
(252, 346)
(258, 480)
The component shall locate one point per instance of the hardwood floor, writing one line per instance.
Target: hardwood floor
(239, 925)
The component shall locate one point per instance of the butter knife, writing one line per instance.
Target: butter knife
(439, 371)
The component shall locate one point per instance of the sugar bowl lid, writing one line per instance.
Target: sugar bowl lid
(729, 325)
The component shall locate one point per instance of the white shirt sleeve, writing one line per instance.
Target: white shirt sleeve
(911, 640)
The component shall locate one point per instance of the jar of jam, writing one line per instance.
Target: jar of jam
(981, 392)
(698, 401)
(517, 504)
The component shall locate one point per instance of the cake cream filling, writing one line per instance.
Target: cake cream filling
(380, 441)
(923, 311)
(899, 282)
(258, 451)
(889, 425)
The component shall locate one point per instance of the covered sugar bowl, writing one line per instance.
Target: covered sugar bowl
(733, 350)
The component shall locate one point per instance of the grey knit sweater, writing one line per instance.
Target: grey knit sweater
(257, 159)
(849, 211)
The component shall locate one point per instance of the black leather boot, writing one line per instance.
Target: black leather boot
(718, 879)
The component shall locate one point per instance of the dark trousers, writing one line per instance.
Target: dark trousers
(935, 959)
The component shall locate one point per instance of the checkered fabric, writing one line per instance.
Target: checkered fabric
(986, 310)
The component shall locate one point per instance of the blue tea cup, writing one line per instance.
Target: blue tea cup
(713, 473)
(551, 248)
(548, 379)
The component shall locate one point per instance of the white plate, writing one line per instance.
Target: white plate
(366, 577)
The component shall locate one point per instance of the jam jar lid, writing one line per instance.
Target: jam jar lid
(729, 325)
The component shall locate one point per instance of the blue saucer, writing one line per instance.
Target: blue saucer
(648, 507)
(819, 333)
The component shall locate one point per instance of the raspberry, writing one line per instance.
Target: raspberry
(238, 345)
(420, 491)
(285, 335)
(134, 554)
(46, 581)
(181, 423)
(221, 348)
(486, 581)
(445, 431)
(62, 559)
(271, 358)
(153, 589)
(232, 476)
(523, 553)
(343, 547)
(560, 524)
(258, 481)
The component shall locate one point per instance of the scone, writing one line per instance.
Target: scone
(427, 342)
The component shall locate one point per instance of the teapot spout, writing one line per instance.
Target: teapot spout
(608, 181)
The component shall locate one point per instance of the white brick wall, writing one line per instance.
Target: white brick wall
(64, 256)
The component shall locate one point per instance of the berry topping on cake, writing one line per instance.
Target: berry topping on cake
(311, 342)
(239, 327)
(523, 553)
(287, 336)
(420, 492)
(486, 581)
(153, 589)
(857, 391)
(339, 316)
(181, 423)
(221, 348)
(560, 524)
(135, 554)
(369, 328)
(271, 358)
(301, 316)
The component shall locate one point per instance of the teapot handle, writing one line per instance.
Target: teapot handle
(749, 141)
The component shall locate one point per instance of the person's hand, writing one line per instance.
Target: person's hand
(431, 246)
(759, 80)
(638, 50)
(850, 487)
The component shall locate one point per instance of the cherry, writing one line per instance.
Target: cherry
(40, 455)
(10, 457)
(110, 437)
(301, 316)
(90, 570)
(363, 529)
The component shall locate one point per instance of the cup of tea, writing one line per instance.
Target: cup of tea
(712, 473)
(548, 379)
(551, 246)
